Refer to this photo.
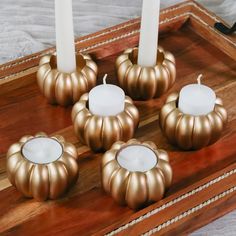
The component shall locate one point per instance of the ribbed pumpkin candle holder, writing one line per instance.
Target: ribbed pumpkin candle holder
(143, 83)
(42, 167)
(189, 131)
(100, 132)
(136, 173)
(66, 88)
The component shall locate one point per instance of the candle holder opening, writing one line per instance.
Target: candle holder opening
(142, 82)
(66, 88)
(188, 131)
(53, 62)
(136, 188)
(133, 56)
(80, 62)
(161, 57)
(100, 132)
(41, 166)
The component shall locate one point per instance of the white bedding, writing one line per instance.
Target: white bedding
(27, 26)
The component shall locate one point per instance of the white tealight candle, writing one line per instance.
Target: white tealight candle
(65, 44)
(106, 99)
(137, 158)
(42, 150)
(196, 99)
(148, 41)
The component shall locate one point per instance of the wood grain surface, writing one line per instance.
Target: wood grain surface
(186, 31)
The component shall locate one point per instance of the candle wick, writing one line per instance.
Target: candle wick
(104, 79)
(199, 79)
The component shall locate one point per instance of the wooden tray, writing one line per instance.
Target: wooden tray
(204, 182)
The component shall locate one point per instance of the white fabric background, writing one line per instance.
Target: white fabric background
(27, 26)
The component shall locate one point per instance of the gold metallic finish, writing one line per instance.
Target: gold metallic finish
(188, 131)
(98, 132)
(63, 88)
(143, 83)
(133, 188)
(42, 181)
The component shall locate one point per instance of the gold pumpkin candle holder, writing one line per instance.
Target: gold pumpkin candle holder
(100, 132)
(136, 188)
(188, 131)
(66, 88)
(143, 83)
(42, 179)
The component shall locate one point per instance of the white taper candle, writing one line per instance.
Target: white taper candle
(65, 45)
(148, 41)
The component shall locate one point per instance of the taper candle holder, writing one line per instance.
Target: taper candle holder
(189, 131)
(66, 88)
(143, 83)
(100, 132)
(136, 188)
(37, 178)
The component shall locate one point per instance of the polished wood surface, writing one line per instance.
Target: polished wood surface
(86, 209)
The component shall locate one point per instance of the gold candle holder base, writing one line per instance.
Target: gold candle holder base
(133, 188)
(98, 132)
(143, 83)
(42, 181)
(188, 131)
(63, 88)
